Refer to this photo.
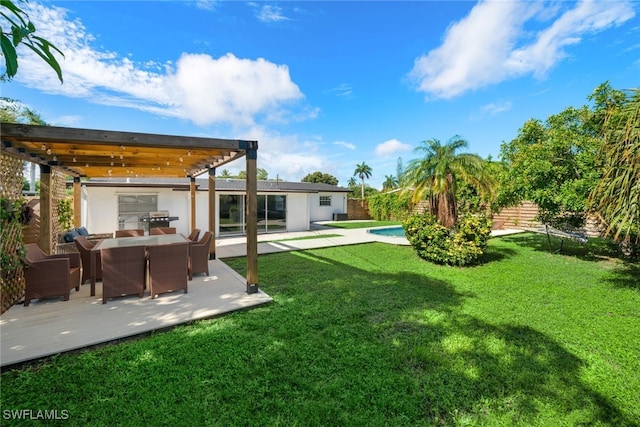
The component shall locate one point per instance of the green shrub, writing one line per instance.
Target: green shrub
(461, 246)
(390, 206)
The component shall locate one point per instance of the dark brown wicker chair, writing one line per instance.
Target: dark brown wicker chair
(130, 233)
(199, 255)
(168, 268)
(50, 275)
(84, 246)
(123, 271)
(154, 231)
(194, 235)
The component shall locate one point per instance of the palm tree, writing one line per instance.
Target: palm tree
(616, 197)
(225, 174)
(437, 175)
(363, 171)
(390, 183)
(352, 182)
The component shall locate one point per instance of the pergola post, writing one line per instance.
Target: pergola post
(46, 210)
(77, 202)
(192, 200)
(252, 217)
(212, 211)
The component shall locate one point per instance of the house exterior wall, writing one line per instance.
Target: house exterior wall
(325, 213)
(297, 212)
(100, 207)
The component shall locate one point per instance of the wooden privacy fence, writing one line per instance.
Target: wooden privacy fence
(358, 209)
(521, 216)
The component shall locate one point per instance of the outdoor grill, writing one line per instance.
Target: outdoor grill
(159, 219)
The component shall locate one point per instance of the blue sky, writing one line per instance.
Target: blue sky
(326, 85)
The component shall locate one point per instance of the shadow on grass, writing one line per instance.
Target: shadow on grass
(495, 253)
(596, 249)
(627, 275)
(466, 367)
(461, 366)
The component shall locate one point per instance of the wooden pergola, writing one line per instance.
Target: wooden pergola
(88, 153)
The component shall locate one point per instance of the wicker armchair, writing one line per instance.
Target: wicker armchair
(123, 271)
(50, 275)
(130, 233)
(153, 231)
(66, 239)
(199, 255)
(194, 235)
(84, 246)
(168, 268)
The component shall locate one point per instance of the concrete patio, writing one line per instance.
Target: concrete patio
(52, 326)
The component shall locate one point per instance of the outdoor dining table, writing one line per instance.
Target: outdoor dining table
(146, 241)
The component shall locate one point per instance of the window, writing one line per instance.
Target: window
(325, 200)
(131, 207)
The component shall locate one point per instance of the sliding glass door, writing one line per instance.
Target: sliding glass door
(272, 213)
(276, 214)
(231, 214)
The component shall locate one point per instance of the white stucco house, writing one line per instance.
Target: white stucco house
(121, 203)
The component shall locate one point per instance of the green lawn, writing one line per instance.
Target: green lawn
(311, 236)
(370, 335)
(361, 224)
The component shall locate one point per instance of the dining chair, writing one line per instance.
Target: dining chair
(84, 246)
(123, 271)
(168, 268)
(154, 231)
(50, 275)
(194, 235)
(130, 232)
(199, 255)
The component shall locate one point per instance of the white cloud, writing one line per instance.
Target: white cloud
(494, 108)
(226, 90)
(206, 4)
(343, 90)
(230, 89)
(345, 144)
(286, 156)
(270, 13)
(391, 147)
(491, 44)
(66, 120)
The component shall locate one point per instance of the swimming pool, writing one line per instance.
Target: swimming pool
(389, 231)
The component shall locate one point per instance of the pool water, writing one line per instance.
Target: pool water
(390, 231)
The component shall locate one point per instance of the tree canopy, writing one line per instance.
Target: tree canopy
(615, 198)
(23, 31)
(320, 178)
(555, 163)
(261, 174)
(390, 183)
(363, 171)
(439, 172)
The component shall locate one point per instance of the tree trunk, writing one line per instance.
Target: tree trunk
(444, 205)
